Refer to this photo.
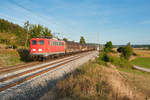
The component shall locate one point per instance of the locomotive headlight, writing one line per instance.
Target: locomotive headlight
(40, 49)
(33, 49)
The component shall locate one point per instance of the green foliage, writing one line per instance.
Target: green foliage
(13, 29)
(47, 32)
(120, 49)
(127, 51)
(117, 61)
(27, 27)
(39, 31)
(82, 40)
(24, 55)
(100, 60)
(65, 39)
(105, 57)
(108, 47)
(21, 35)
(8, 39)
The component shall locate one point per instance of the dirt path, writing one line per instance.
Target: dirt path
(141, 68)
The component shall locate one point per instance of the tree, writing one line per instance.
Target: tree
(127, 51)
(65, 39)
(40, 31)
(22, 35)
(120, 49)
(26, 27)
(108, 47)
(82, 40)
(47, 32)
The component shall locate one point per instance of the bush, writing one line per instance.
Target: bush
(108, 47)
(117, 61)
(24, 55)
(102, 59)
(127, 51)
(120, 49)
(105, 57)
(134, 54)
(121, 62)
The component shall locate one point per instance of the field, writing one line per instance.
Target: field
(142, 62)
(142, 59)
(139, 51)
(142, 52)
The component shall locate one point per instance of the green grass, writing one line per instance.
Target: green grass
(142, 62)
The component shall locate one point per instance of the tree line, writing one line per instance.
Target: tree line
(13, 34)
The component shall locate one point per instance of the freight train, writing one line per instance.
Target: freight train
(41, 48)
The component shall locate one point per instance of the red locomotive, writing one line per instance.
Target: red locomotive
(46, 47)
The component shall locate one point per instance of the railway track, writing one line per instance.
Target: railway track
(21, 66)
(17, 67)
(12, 80)
(4, 70)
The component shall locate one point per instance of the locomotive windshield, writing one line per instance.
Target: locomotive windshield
(33, 42)
(41, 42)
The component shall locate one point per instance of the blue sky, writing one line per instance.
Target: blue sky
(119, 21)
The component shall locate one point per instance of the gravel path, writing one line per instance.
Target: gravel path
(142, 69)
(37, 87)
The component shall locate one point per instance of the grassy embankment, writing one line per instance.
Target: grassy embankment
(98, 80)
(10, 57)
(101, 80)
(94, 82)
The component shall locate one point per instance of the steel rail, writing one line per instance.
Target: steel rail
(35, 75)
(32, 70)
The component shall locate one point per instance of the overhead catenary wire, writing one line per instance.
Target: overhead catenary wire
(38, 16)
(11, 18)
(42, 18)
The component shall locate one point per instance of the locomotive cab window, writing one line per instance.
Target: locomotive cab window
(41, 42)
(33, 42)
(57, 43)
